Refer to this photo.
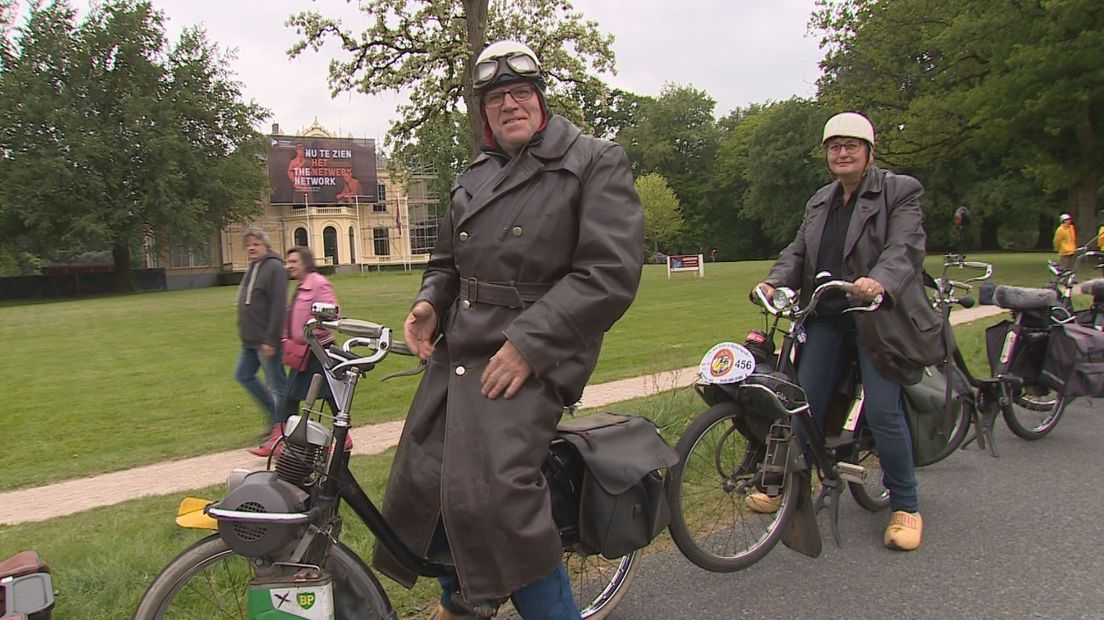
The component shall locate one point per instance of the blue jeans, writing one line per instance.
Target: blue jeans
(271, 399)
(825, 356)
(549, 598)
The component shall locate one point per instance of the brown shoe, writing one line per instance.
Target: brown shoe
(440, 613)
(763, 503)
(904, 531)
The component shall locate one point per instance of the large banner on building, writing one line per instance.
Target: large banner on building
(317, 171)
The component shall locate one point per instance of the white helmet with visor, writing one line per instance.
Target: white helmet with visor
(505, 61)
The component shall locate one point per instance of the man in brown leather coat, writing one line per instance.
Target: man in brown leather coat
(539, 254)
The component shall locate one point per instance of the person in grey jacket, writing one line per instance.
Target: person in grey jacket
(262, 301)
(539, 253)
(865, 227)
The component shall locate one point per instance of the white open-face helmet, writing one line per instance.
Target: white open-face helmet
(1065, 217)
(849, 125)
(505, 61)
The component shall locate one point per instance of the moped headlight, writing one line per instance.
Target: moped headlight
(783, 298)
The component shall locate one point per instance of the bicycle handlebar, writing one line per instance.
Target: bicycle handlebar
(796, 313)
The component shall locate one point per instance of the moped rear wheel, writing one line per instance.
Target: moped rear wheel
(957, 434)
(1034, 412)
(712, 520)
(872, 495)
(597, 584)
(208, 580)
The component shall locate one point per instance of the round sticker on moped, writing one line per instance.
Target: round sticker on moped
(727, 362)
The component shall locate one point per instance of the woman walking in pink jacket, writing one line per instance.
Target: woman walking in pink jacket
(313, 287)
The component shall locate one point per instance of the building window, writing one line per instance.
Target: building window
(381, 242)
(379, 207)
(352, 245)
(329, 244)
(301, 237)
(423, 229)
(381, 193)
(184, 256)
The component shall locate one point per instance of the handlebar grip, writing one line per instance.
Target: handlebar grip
(398, 346)
(353, 327)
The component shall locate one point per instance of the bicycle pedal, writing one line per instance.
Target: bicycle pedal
(851, 472)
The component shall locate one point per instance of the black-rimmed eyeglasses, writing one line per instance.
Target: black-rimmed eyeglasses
(523, 92)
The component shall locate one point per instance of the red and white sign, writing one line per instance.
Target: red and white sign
(687, 262)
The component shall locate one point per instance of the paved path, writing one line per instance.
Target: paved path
(62, 498)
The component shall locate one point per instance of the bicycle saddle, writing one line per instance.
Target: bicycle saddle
(1022, 298)
(1094, 287)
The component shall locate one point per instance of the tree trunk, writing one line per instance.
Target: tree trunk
(124, 279)
(987, 235)
(1083, 206)
(476, 11)
(1047, 224)
(1083, 194)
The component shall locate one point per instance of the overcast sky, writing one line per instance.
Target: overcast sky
(738, 51)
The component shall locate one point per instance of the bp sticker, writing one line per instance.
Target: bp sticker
(727, 362)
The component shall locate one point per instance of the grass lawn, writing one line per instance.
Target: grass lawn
(103, 559)
(97, 385)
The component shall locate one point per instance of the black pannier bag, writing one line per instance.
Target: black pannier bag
(1074, 362)
(1028, 347)
(608, 466)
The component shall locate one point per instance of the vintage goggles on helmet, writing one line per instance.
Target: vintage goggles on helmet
(520, 64)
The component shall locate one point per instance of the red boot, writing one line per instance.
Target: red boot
(265, 449)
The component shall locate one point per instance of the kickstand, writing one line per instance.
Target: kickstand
(985, 417)
(984, 433)
(829, 497)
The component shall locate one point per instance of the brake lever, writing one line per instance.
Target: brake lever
(417, 370)
(871, 306)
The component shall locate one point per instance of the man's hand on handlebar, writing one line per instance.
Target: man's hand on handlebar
(866, 289)
(419, 329)
(505, 373)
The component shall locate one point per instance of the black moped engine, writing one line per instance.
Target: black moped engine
(262, 492)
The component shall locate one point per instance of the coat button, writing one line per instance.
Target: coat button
(516, 231)
(465, 304)
(464, 236)
(460, 370)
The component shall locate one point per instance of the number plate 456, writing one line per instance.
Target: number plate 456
(726, 362)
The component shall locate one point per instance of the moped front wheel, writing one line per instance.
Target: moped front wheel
(715, 520)
(208, 580)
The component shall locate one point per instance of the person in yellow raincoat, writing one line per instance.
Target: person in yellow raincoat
(1065, 241)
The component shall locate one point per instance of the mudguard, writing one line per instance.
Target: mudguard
(802, 534)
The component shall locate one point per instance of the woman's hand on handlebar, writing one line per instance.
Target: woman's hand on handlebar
(768, 292)
(419, 329)
(866, 289)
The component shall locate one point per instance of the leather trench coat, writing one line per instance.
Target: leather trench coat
(885, 241)
(562, 223)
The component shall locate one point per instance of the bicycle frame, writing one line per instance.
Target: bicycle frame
(337, 483)
(785, 363)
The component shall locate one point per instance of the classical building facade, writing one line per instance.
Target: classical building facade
(391, 225)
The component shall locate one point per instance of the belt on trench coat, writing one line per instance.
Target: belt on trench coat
(513, 295)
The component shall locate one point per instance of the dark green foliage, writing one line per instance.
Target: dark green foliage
(111, 137)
